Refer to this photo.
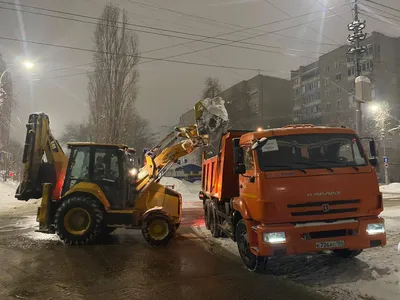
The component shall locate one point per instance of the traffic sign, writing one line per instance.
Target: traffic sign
(386, 159)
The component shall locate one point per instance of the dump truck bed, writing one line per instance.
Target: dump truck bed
(218, 178)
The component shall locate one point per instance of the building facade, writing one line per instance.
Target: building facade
(323, 91)
(6, 99)
(262, 101)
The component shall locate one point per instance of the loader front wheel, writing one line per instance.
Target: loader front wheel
(157, 229)
(79, 220)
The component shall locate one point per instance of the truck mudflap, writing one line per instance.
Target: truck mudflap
(289, 239)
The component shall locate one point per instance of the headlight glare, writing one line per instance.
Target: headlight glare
(373, 229)
(274, 237)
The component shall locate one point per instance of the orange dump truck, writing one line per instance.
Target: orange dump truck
(293, 190)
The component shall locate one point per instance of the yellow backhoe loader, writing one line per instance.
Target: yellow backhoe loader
(98, 189)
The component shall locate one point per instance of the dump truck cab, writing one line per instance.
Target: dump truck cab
(298, 189)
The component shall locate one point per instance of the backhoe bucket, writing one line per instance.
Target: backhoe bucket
(210, 115)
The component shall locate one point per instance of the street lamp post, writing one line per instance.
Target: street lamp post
(28, 65)
(382, 115)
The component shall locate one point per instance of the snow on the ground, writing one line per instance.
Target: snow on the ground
(375, 274)
(391, 190)
(7, 200)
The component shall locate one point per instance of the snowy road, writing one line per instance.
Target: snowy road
(27, 258)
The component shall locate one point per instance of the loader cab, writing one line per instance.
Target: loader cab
(101, 164)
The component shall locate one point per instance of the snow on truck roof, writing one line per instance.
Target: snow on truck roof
(294, 129)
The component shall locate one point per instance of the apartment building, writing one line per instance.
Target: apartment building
(323, 91)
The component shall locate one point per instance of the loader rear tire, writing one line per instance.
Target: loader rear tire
(79, 220)
(157, 229)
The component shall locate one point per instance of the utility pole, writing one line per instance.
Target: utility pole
(356, 49)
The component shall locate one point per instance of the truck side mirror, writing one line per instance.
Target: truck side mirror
(373, 162)
(372, 148)
(238, 159)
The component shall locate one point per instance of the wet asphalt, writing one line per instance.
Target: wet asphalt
(125, 267)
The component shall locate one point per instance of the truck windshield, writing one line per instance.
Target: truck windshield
(311, 151)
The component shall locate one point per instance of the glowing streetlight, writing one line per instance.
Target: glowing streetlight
(28, 64)
(259, 129)
(374, 107)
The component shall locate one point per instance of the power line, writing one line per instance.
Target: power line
(142, 26)
(284, 12)
(193, 40)
(143, 57)
(379, 20)
(381, 10)
(229, 44)
(383, 5)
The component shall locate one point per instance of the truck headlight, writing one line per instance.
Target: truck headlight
(274, 237)
(375, 228)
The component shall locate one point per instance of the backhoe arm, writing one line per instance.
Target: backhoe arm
(43, 158)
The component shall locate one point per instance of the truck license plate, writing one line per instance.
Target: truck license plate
(331, 244)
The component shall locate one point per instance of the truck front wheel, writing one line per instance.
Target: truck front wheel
(252, 262)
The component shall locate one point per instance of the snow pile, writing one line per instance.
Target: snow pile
(8, 201)
(189, 191)
(213, 115)
(390, 189)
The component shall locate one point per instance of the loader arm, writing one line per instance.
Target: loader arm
(44, 160)
(162, 157)
(210, 116)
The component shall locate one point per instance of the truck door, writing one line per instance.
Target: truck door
(247, 182)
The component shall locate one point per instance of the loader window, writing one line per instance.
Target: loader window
(80, 163)
(106, 165)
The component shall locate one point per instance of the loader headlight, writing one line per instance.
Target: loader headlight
(274, 237)
(373, 229)
(133, 172)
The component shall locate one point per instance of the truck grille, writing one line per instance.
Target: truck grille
(328, 234)
(326, 208)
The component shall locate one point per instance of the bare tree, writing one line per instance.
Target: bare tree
(76, 133)
(139, 134)
(113, 83)
(212, 89)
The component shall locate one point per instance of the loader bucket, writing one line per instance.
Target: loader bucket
(210, 115)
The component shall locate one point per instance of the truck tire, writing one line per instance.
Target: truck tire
(157, 229)
(252, 262)
(214, 228)
(346, 253)
(79, 220)
(207, 214)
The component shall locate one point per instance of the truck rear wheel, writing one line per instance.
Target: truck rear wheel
(79, 220)
(207, 214)
(346, 253)
(252, 262)
(213, 219)
(157, 229)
